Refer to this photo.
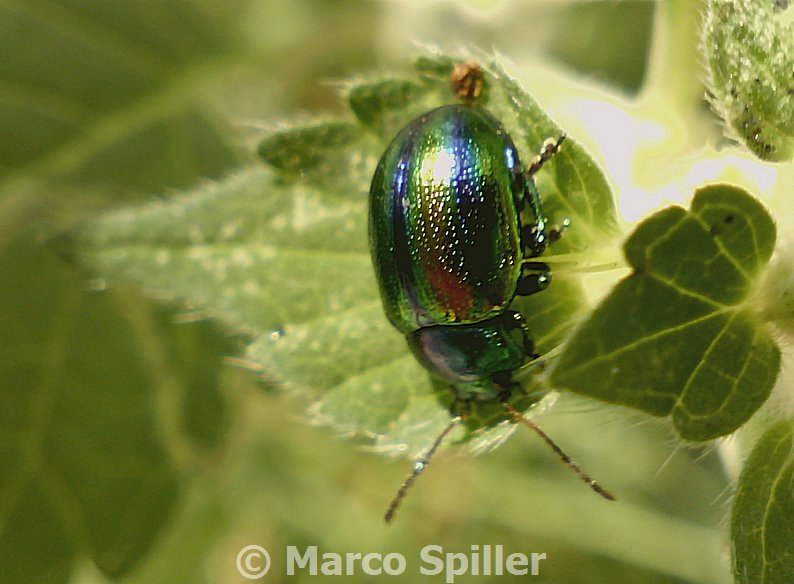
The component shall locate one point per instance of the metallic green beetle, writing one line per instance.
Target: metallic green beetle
(455, 223)
(453, 218)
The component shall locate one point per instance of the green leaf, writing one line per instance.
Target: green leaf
(574, 188)
(96, 92)
(579, 24)
(329, 155)
(750, 55)
(375, 103)
(97, 100)
(84, 470)
(253, 252)
(678, 337)
(193, 354)
(761, 526)
(284, 258)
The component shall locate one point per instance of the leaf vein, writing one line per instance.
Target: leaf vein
(768, 512)
(704, 361)
(605, 357)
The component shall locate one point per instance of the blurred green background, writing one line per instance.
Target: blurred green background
(133, 451)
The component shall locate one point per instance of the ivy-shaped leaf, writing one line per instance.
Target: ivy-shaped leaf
(750, 55)
(761, 526)
(282, 255)
(678, 337)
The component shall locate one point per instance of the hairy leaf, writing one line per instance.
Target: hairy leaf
(284, 258)
(677, 337)
(761, 526)
(750, 55)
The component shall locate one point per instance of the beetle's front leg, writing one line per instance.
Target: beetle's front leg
(547, 152)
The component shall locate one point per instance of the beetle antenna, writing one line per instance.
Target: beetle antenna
(558, 451)
(419, 466)
(547, 152)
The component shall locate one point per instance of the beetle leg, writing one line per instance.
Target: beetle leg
(547, 152)
(555, 233)
(533, 241)
(529, 348)
(535, 276)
